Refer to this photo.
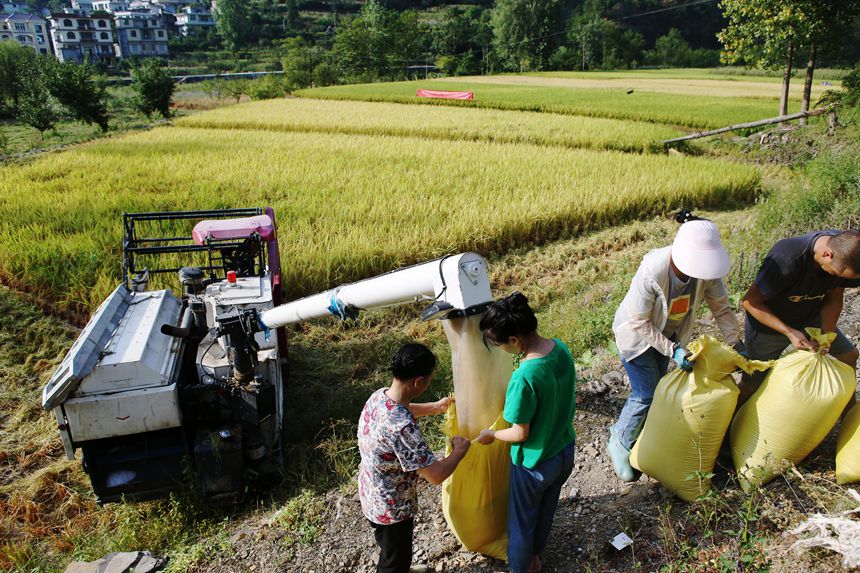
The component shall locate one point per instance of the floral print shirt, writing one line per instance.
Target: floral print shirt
(392, 449)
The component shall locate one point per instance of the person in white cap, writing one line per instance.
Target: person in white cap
(654, 322)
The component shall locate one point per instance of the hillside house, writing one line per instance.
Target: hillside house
(78, 38)
(27, 30)
(194, 18)
(141, 34)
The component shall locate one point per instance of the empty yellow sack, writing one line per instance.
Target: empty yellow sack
(793, 410)
(688, 419)
(475, 497)
(848, 448)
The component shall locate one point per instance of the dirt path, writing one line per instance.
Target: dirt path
(594, 507)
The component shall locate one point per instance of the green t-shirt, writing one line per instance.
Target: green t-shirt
(541, 394)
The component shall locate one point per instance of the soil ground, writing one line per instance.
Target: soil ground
(594, 507)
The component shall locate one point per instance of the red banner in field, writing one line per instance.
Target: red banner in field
(446, 94)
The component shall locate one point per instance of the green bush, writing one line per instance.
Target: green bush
(267, 87)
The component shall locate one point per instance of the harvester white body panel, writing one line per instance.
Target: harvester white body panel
(123, 413)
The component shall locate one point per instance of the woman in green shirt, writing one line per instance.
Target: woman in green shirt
(540, 406)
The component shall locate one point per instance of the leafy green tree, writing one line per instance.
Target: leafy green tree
(299, 62)
(326, 74)
(526, 32)
(267, 87)
(671, 50)
(15, 60)
(233, 22)
(361, 41)
(76, 88)
(153, 87)
(37, 107)
(236, 88)
(763, 33)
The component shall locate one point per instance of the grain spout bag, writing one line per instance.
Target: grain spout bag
(793, 410)
(688, 419)
(848, 448)
(475, 497)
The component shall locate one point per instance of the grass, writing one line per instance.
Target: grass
(435, 122)
(404, 199)
(699, 111)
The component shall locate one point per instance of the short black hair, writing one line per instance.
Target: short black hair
(846, 249)
(413, 360)
(508, 316)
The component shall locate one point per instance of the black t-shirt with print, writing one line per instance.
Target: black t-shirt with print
(792, 284)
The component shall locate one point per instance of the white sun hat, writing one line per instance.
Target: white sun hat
(698, 252)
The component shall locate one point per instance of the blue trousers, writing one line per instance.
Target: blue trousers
(531, 506)
(644, 372)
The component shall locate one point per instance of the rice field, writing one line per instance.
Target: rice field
(348, 206)
(436, 122)
(529, 93)
(765, 88)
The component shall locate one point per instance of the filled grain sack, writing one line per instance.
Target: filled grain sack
(791, 412)
(848, 448)
(688, 419)
(475, 497)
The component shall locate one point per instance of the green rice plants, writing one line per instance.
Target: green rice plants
(348, 206)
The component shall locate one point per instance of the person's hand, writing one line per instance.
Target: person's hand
(680, 358)
(799, 341)
(823, 348)
(460, 445)
(442, 405)
(486, 437)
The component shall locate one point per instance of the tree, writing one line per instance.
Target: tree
(15, 60)
(233, 22)
(374, 44)
(299, 62)
(154, 88)
(236, 88)
(36, 107)
(525, 32)
(769, 34)
(75, 87)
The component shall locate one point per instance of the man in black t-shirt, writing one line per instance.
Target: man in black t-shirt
(800, 283)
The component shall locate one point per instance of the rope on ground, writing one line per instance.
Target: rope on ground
(838, 533)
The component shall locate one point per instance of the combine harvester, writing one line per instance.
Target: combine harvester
(161, 390)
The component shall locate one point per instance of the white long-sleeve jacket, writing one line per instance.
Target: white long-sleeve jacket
(642, 315)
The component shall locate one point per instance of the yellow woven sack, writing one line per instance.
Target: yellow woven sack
(475, 497)
(688, 419)
(793, 410)
(848, 448)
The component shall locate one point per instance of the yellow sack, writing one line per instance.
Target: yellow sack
(848, 448)
(688, 419)
(475, 497)
(793, 410)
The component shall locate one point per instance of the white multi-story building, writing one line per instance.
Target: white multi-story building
(27, 30)
(140, 34)
(109, 6)
(193, 18)
(78, 38)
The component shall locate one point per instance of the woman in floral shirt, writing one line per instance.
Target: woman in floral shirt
(394, 454)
